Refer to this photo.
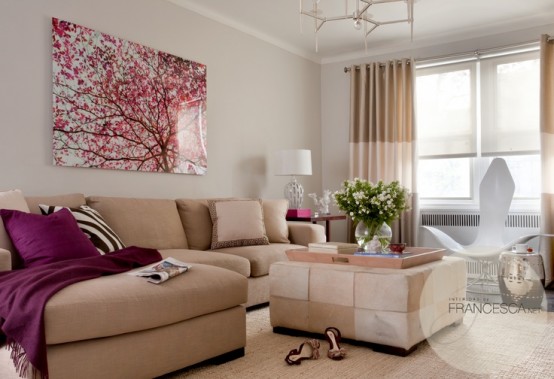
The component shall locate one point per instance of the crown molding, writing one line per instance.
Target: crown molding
(217, 17)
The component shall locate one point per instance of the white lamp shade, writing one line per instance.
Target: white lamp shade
(293, 162)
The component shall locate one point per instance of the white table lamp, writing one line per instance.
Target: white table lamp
(294, 163)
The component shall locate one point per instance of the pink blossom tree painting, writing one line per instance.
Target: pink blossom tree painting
(121, 105)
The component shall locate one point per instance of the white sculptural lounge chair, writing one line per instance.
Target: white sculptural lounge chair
(495, 196)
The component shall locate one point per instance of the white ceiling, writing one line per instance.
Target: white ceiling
(435, 21)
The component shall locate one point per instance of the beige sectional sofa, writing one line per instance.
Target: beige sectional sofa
(120, 326)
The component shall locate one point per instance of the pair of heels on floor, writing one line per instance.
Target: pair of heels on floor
(309, 349)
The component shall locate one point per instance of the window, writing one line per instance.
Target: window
(470, 112)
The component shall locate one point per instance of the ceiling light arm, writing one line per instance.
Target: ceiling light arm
(375, 25)
(371, 2)
(360, 14)
(389, 22)
(319, 21)
(313, 15)
(410, 5)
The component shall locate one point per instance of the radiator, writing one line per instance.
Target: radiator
(462, 227)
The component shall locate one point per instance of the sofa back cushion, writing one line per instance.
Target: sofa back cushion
(195, 216)
(196, 220)
(71, 200)
(151, 223)
(275, 218)
(15, 200)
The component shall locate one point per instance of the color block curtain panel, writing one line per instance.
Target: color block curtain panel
(547, 153)
(382, 132)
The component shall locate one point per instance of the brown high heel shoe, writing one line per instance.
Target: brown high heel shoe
(335, 351)
(309, 349)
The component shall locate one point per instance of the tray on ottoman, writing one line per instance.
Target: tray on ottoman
(412, 256)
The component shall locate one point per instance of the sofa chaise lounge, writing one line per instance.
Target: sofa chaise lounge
(121, 326)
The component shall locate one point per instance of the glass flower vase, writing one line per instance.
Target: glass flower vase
(384, 234)
(365, 232)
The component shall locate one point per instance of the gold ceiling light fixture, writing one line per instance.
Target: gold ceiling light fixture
(359, 15)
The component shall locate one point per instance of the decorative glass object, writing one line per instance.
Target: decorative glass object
(322, 203)
(364, 233)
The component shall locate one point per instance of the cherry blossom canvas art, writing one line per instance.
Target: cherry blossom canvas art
(121, 105)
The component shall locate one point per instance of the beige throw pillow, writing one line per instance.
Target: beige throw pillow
(237, 223)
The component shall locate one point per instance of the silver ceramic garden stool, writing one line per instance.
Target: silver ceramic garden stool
(521, 279)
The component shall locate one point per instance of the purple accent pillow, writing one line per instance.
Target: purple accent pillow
(44, 239)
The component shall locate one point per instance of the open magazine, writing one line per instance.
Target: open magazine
(164, 270)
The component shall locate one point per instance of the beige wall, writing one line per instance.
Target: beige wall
(260, 99)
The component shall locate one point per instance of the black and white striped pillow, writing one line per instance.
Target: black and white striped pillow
(93, 225)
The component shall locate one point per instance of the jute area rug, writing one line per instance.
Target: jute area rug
(491, 343)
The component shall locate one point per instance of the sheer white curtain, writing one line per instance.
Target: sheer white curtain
(382, 132)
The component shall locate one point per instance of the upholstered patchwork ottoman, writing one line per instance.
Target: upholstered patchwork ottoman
(392, 309)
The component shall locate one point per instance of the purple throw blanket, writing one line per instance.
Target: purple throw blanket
(24, 293)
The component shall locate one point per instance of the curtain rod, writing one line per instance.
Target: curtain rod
(468, 53)
(347, 69)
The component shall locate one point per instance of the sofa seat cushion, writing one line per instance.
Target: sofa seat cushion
(123, 303)
(262, 256)
(231, 262)
(152, 223)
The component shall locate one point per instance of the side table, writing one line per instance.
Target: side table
(315, 219)
(521, 278)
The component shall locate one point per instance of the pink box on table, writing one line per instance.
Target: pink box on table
(299, 212)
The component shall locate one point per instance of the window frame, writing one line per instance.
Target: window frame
(478, 163)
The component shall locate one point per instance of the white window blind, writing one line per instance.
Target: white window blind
(470, 109)
(446, 110)
(485, 107)
(510, 98)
